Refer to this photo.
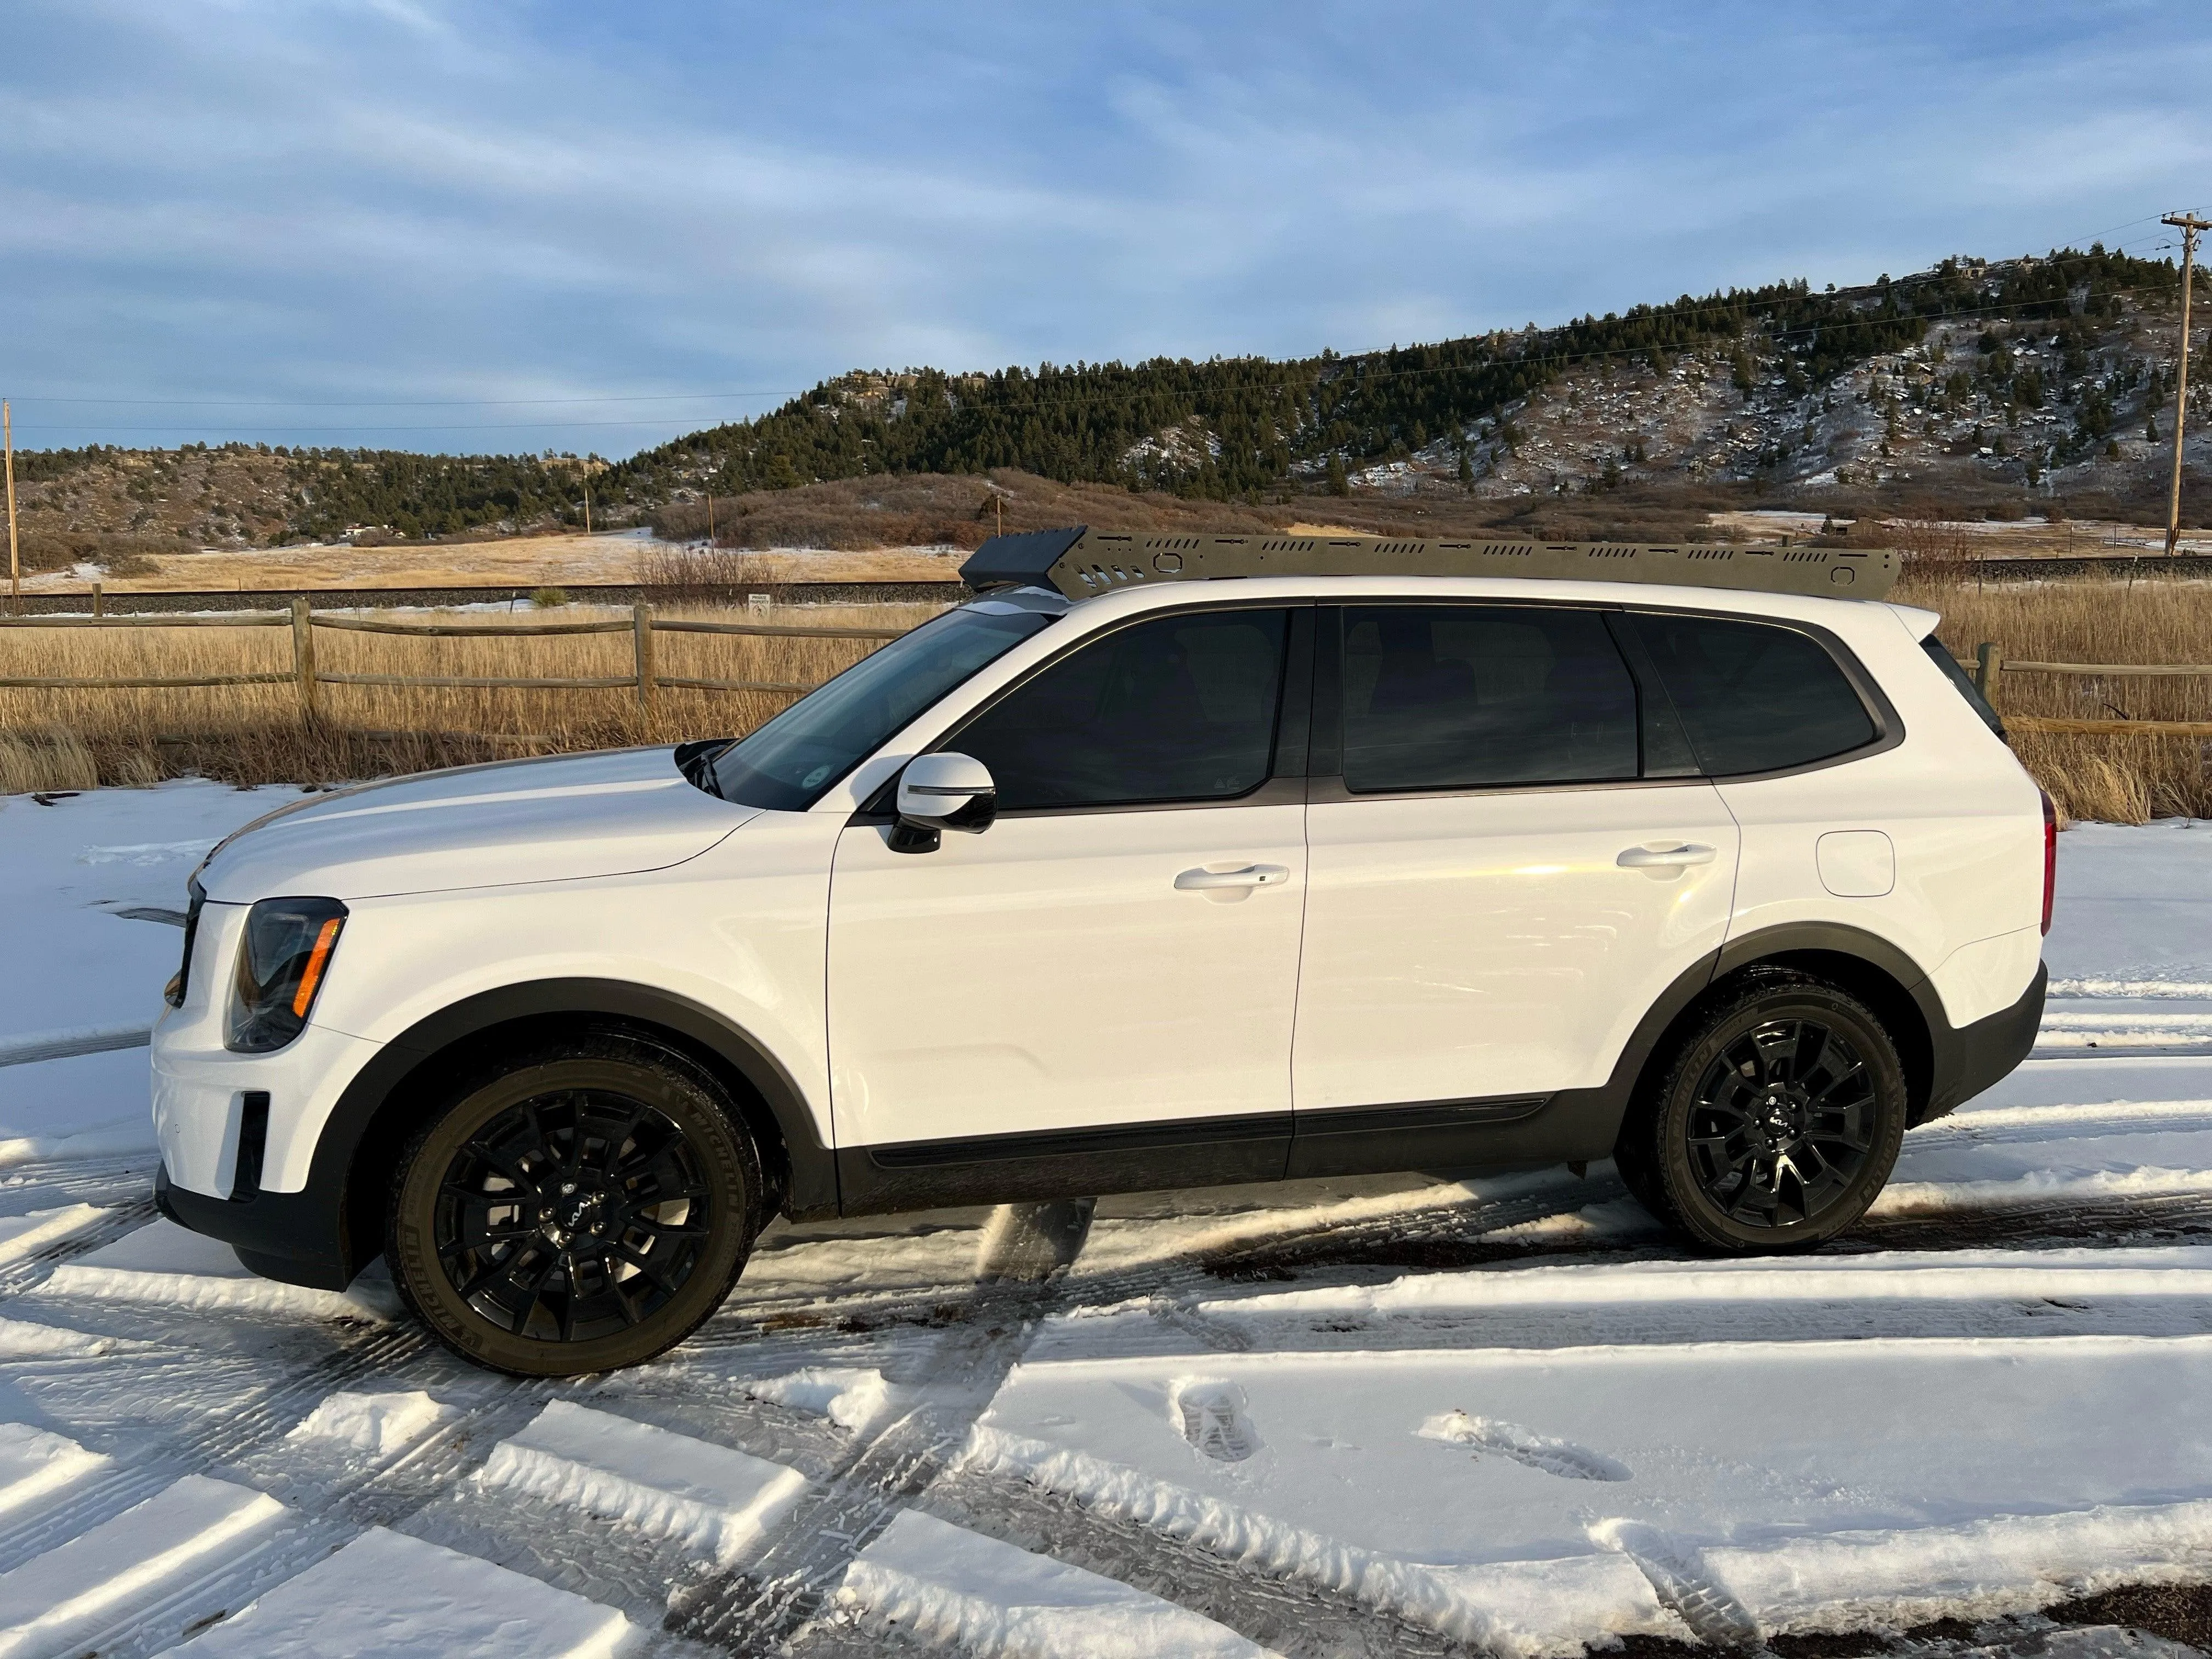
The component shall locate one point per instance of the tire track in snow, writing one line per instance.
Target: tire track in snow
(33, 1266)
(1295, 1617)
(785, 1586)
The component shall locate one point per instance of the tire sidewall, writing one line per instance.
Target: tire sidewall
(688, 1099)
(1670, 1168)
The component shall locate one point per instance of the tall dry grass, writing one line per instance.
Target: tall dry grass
(71, 739)
(57, 739)
(2098, 619)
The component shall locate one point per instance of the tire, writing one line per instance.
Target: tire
(1774, 1123)
(645, 1196)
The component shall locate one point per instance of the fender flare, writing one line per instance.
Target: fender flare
(372, 1105)
(1881, 974)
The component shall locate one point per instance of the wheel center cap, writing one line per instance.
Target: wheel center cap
(1780, 1118)
(571, 1213)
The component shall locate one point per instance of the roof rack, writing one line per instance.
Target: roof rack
(1081, 562)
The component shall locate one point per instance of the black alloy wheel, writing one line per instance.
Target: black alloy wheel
(1776, 1122)
(584, 1207)
(576, 1214)
(1782, 1122)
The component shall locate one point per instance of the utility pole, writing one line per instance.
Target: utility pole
(2188, 224)
(587, 503)
(15, 559)
(710, 506)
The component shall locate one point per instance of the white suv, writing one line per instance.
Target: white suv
(1113, 879)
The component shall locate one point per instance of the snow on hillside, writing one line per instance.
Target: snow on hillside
(1397, 1415)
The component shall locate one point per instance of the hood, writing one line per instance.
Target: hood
(564, 819)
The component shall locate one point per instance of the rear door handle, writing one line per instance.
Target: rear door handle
(1252, 875)
(1672, 858)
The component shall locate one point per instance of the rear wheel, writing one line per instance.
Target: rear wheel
(581, 1207)
(1776, 1122)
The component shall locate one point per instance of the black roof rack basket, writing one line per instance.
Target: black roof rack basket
(1080, 562)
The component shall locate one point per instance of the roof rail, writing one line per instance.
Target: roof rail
(1081, 562)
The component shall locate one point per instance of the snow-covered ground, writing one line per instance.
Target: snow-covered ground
(1403, 1415)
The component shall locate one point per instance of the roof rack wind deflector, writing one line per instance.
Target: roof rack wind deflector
(1082, 562)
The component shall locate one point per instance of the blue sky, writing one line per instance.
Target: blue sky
(478, 227)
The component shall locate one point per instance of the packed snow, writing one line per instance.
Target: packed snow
(1408, 1414)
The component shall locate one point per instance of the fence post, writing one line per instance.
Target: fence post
(303, 656)
(97, 609)
(1989, 663)
(641, 627)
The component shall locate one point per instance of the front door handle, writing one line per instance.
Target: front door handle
(1252, 875)
(1672, 858)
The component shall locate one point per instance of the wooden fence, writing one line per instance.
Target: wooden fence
(1989, 666)
(642, 625)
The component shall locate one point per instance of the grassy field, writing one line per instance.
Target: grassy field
(2105, 619)
(60, 739)
(66, 740)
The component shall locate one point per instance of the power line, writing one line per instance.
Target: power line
(517, 426)
(403, 403)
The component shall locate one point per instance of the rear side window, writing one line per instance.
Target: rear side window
(1481, 696)
(1180, 708)
(1752, 696)
(1940, 655)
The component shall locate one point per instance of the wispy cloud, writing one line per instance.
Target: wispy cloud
(372, 199)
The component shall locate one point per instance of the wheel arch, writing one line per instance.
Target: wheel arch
(1894, 986)
(357, 1152)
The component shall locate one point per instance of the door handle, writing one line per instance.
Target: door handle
(1672, 858)
(1252, 875)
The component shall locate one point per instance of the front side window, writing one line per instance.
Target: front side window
(1483, 696)
(1177, 708)
(1753, 696)
(790, 762)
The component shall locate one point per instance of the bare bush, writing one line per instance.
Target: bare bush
(701, 576)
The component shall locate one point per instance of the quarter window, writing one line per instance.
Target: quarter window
(1753, 698)
(1480, 696)
(1179, 708)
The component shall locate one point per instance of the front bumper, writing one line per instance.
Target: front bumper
(297, 1237)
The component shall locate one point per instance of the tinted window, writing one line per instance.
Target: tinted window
(1940, 655)
(1178, 709)
(789, 764)
(1473, 697)
(1753, 698)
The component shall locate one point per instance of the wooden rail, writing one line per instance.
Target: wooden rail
(1990, 664)
(642, 625)
(1987, 664)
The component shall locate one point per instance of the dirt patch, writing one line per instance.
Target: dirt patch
(2180, 1612)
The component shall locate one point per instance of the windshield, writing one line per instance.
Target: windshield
(790, 762)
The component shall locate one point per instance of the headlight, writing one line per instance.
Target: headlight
(280, 962)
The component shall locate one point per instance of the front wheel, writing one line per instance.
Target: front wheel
(1776, 1122)
(578, 1207)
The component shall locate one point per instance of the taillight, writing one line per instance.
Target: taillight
(2050, 859)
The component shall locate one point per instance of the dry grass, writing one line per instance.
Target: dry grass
(257, 734)
(2105, 619)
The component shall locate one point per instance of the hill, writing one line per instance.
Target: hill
(1970, 389)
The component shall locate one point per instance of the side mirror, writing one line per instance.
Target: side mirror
(938, 793)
